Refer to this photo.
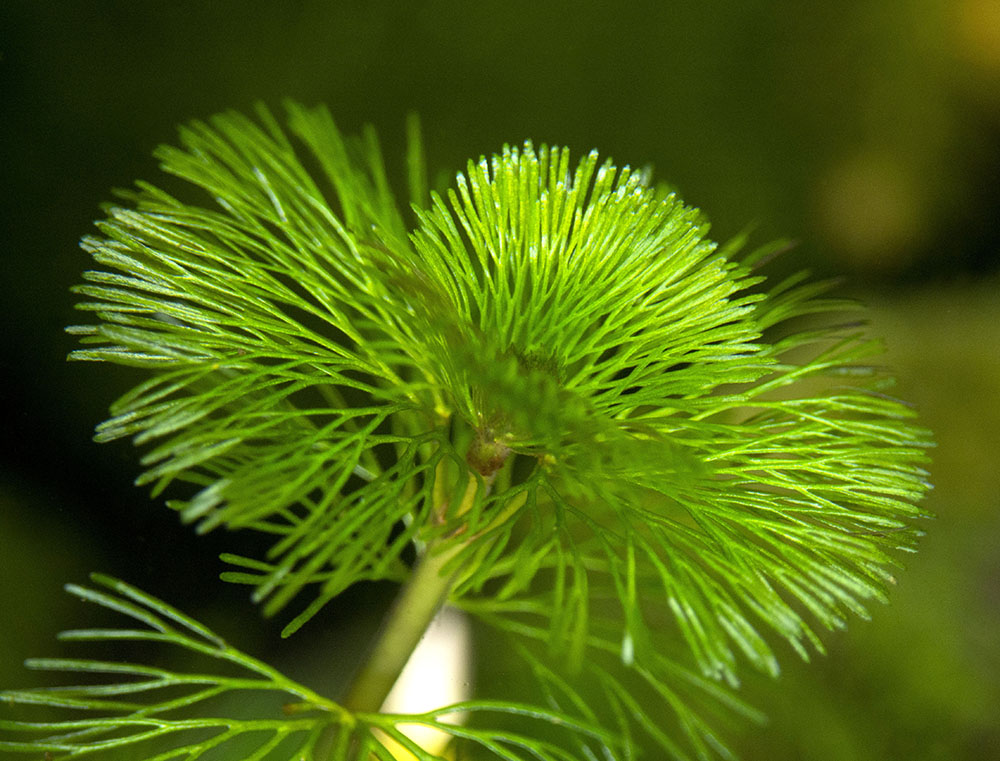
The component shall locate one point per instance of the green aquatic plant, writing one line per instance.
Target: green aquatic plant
(543, 397)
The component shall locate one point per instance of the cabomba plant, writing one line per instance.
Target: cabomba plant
(550, 402)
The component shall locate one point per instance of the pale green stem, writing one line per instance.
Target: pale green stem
(418, 602)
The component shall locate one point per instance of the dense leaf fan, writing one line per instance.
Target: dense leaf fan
(592, 416)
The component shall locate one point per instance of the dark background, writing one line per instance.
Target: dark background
(868, 131)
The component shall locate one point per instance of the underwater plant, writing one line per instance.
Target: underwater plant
(543, 397)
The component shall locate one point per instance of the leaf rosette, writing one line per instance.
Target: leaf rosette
(645, 430)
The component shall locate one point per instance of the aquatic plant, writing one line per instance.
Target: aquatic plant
(544, 397)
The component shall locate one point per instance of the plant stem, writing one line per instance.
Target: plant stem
(419, 600)
(412, 612)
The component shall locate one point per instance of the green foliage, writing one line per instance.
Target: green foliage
(643, 432)
(131, 712)
(133, 716)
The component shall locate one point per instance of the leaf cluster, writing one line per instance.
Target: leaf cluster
(160, 714)
(655, 442)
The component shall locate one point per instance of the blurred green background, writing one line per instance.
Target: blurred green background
(867, 130)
